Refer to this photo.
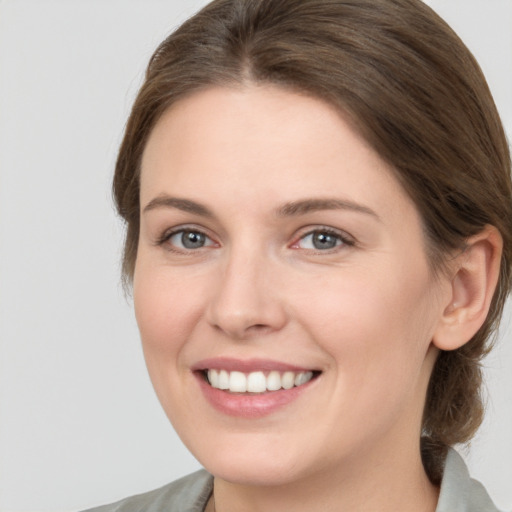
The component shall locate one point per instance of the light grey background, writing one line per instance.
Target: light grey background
(79, 424)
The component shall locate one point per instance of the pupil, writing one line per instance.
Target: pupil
(192, 239)
(324, 241)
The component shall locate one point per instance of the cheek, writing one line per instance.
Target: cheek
(376, 329)
(167, 310)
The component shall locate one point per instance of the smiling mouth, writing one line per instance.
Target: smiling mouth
(257, 382)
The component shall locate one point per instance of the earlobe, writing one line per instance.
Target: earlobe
(472, 288)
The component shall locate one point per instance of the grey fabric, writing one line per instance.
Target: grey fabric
(459, 493)
(188, 494)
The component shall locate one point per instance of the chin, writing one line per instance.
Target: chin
(262, 473)
(249, 463)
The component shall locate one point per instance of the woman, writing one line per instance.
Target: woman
(319, 237)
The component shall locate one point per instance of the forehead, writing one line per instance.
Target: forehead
(255, 116)
(264, 140)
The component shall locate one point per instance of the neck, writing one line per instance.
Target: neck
(397, 483)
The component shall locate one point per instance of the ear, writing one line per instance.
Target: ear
(476, 273)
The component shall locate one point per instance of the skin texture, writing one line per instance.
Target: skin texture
(366, 313)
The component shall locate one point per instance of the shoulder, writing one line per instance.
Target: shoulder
(188, 494)
(459, 492)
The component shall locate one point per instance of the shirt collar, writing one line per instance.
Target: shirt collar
(460, 493)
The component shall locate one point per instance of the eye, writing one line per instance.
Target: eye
(187, 239)
(322, 240)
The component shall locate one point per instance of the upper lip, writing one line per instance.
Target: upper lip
(246, 365)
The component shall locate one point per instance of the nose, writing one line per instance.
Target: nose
(246, 302)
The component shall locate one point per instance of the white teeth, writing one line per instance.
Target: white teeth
(256, 382)
(273, 381)
(237, 382)
(213, 377)
(302, 378)
(288, 380)
(223, 380)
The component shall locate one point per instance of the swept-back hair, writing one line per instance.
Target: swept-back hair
(416, 94)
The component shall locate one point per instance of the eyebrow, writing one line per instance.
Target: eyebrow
(291, 209)
(185, 205)
(302, 207)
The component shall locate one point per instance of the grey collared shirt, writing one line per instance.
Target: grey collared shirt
(459, 493)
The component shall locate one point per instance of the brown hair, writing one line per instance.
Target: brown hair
(416, 94)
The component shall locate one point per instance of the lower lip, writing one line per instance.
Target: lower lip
(246, 405)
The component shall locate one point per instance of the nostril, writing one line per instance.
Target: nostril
(244, 332)
(259, 328)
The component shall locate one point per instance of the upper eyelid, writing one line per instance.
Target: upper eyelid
(170, 232)
(299, 234)
(327, 229)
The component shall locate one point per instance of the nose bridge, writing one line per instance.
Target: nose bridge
(244, 301)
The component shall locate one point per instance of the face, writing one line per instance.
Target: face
(281, 288)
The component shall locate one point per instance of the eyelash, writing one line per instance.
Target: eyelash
(343, 238)
(167, 235)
